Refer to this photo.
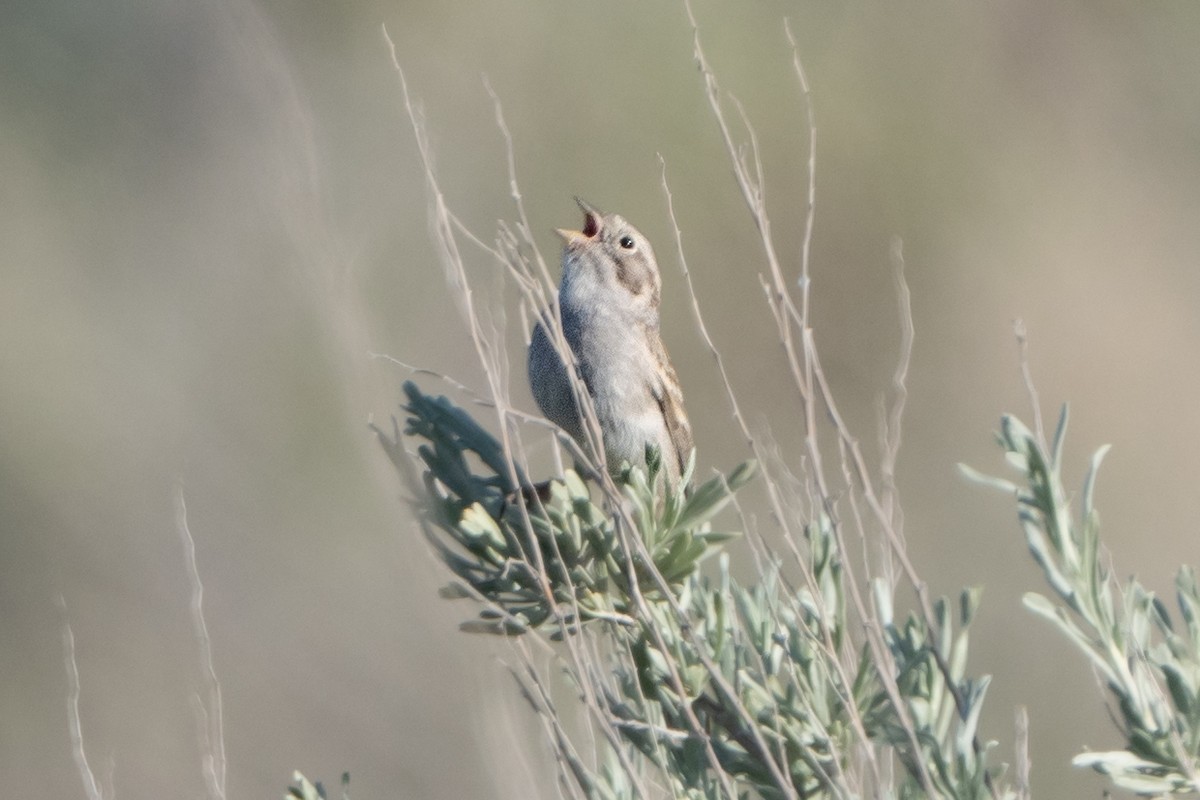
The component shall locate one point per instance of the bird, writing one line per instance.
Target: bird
(608, 301)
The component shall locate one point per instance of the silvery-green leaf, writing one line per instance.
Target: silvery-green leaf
(1060, 435)
(1089, 482)
(974, 475)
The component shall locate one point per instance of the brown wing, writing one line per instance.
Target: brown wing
(670, 403)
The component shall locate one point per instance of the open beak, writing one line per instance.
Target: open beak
(569, 236)
(591, 224)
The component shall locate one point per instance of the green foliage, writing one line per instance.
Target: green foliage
(1150, 667)
(943, 704)
(557, 561)
(725, 690)
(307, 790)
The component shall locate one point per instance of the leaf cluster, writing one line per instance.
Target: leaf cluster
(725, 690)
(549, 554)
(1149, 664)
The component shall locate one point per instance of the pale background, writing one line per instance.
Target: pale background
(212, 212)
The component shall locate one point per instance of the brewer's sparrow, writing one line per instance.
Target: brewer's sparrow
(609, 301)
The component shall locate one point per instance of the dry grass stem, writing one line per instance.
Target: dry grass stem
(209, 710)
(74, 724)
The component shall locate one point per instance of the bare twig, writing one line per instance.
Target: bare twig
(209, 710)
(809, 217)
(90, 786)
(892, 417)
(1023, 787)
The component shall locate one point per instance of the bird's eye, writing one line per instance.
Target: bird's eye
(627, 242)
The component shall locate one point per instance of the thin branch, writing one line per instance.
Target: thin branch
(209, 711)
(892, 419)
(1023, 786)
(90, 786)
(809, 217)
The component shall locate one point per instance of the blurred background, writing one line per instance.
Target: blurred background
(214, 212)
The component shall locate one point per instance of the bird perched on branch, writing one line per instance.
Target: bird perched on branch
(608, 299)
